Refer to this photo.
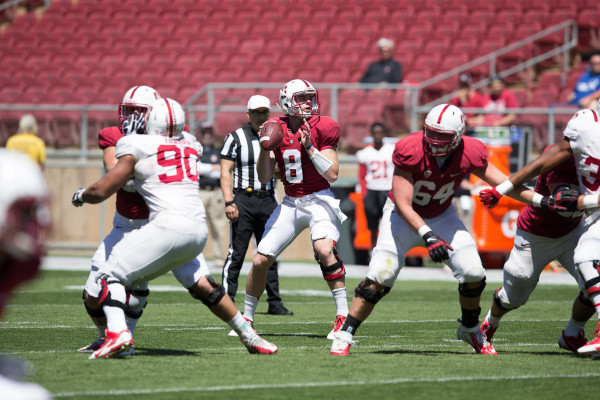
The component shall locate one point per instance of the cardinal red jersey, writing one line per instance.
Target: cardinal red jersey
(15, 273)
(298, 173)
(434, 186)
(543, 222)
(129, 204)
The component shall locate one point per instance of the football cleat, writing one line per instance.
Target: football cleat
(234, 333)
(476, 340)
(93, 346)
(114, 344)
(339, 321)
(342, 341)
(257, 345)
(488, 333)
(126, 353)
(592, 346)
(572, 343)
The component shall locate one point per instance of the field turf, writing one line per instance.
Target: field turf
(407, 349)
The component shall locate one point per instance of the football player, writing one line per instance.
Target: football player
(375, 171)
(24, 215)
(581, 141)
(308, 164)
(430, 166)
(164, 165)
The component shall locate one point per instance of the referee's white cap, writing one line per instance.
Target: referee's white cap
(258, 101)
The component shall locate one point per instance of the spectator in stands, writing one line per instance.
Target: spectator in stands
(27, 141)
(587, 89)
(467, 97)
(499, 99)
(209, 180)
(386, 69)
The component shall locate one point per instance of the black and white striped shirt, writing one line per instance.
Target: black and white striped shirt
(242, 147)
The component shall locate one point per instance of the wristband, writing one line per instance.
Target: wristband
(309, 146)
(321, 163)
(423, 230)
(505, 187)
(80, 196)
(591, 201)
(229, 203)
(537, 200)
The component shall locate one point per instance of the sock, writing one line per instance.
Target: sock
(131, 323)
(341, 301)
(470, 319)
(101, 329)
(241, 326)
(493, 321)
(350, 325)
(250, 304)
(574, 327)
(115, 316)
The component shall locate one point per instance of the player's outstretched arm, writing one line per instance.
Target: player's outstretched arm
(110, 183)
(493, 176)
(550, 158)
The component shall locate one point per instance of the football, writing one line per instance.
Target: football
(271, 135)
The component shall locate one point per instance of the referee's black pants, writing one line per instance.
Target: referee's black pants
(253, 215)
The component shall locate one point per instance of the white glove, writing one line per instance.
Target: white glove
(129, 186)
(134, 124)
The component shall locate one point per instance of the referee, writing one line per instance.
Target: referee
(249, 205)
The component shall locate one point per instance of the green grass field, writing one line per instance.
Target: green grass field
(407, 349)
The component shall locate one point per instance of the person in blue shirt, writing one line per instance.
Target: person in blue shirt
(587, 89)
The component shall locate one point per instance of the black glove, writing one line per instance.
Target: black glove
(75, 200)
(566, 198)
(437, 247)
(134, 124)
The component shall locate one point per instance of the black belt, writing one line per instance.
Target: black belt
(261, 194)
(209, 188)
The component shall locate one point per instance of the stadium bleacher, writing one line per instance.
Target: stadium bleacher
(89, 52)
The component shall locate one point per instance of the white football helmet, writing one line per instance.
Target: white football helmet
(296, 93)
(588, 114)
(138, 98)
(24, 211)
(165, 117)
(444, 126)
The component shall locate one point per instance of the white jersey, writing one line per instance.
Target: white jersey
(379, 166)
(166, 172)
(584, 136)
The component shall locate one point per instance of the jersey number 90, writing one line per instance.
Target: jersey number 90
(173, 157)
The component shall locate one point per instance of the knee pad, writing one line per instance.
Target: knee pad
(329, 272)
(592, 286)
(335, 253)
(137, 300)
(471, 292)
(105, 298)
(94, 312)
(584, 300)
(367, 294)
(501, 300)
(214, 297)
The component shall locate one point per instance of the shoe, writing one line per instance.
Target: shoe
(342, 341)
(126, 353)
(572, 343)
(114, 344)
(234, 333)
(339, 321)
(257, 345)
(278, 309)
(488, 333)
(592, 346)
(93, 346)
(476, 340)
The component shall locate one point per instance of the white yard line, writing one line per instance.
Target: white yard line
(291, 385)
